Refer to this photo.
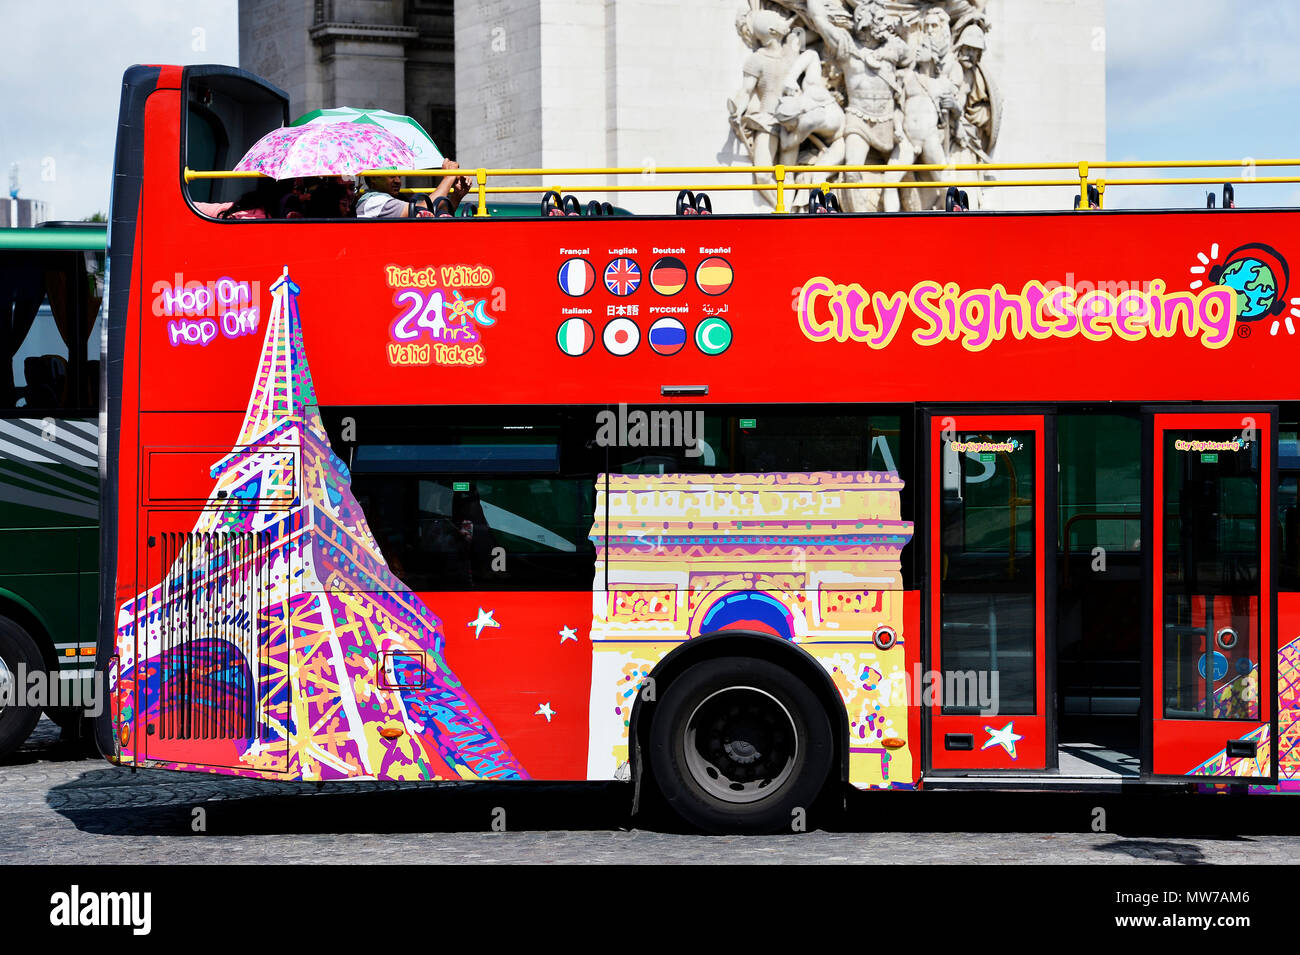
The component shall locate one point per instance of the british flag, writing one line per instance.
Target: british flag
(622, 276)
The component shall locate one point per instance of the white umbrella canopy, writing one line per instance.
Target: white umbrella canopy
(426, 152)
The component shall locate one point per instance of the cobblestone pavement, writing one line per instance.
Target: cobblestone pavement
(59, 805)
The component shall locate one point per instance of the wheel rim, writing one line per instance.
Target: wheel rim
(741, 744)
(6, 683)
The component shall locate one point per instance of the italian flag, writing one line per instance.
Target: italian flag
(575, 337)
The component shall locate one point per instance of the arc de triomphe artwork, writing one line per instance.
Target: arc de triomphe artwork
(854, 82)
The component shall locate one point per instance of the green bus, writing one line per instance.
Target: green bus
(52, 284)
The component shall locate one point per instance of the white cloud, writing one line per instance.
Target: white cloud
(61, 77)
(1164, 58)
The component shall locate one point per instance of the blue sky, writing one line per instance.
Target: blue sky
(1202, 79)
(1187, 79)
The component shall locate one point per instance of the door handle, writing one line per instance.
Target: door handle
(1241, 748)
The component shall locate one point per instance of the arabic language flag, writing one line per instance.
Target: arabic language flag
(577, 277)
(668, 275)
(622, 276)
(575, 336)
(714, 275)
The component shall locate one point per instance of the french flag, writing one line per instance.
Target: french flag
(577, 277)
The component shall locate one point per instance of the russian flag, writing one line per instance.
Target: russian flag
(577, 277)
(667, 336)
(575, 336)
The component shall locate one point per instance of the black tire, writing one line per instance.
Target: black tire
(771, 756)
(18, 649)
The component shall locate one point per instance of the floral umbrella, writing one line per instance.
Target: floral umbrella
(336, 149)
(427, 155)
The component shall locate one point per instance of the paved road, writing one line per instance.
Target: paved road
(60, 806)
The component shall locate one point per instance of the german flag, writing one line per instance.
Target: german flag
(713, 275)
(668, 276)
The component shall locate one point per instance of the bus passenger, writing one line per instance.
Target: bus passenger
(331, 199)
(383, 197)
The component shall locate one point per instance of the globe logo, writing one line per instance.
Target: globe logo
(1255, 285)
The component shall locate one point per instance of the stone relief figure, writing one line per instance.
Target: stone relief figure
(812, 121)
(753, 107)
(977, 128)
(866, 82)
(930, 108)
(871, 62)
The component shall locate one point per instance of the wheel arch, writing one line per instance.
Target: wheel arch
(730, 643)
(29, 618)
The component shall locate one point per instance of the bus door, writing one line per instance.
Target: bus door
(1209, 577)
(991, 532)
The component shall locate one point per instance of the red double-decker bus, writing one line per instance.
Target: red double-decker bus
(739, 508)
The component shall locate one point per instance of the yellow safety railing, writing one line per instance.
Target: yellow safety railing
(1081, 177)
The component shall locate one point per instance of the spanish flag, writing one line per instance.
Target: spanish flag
(713, 275)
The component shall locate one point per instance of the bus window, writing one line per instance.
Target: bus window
(49, 322)
(203, 149)
(502, 499)
(753, 439)
(988, 569)
(1099, 575)
(1211, 570)
(227, 113)
(1288, 505)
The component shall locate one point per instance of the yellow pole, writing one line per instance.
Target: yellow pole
(1083, 186)
(779, 172)
(480, 175)
(1101, 193)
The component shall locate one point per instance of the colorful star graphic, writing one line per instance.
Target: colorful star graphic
(545, 710)
(1005, 737)
(568, 633)
(484, 619)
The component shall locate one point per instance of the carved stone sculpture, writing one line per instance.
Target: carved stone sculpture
(866, 82)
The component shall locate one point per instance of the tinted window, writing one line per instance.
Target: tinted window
(491, 498)
(49, 332)
(476, 499)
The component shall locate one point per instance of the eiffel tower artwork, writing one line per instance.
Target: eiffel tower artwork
(273, 640)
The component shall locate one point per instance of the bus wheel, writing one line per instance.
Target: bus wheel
(740, 745)
(18, 654)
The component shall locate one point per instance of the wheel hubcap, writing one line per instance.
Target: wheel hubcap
(740, 744)
(6, 683)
